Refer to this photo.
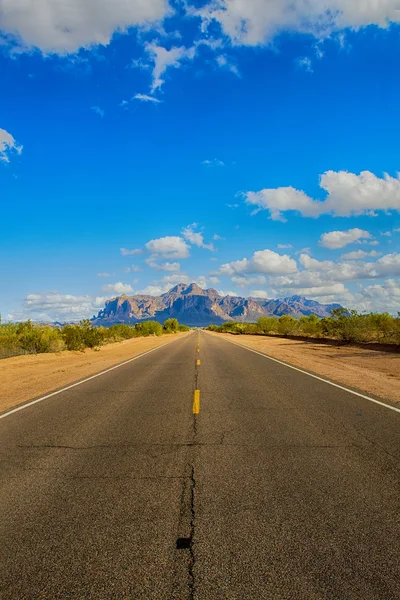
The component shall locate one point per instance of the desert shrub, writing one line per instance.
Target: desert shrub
(183, 328)
(268, 324)
(343, 324)
(310, 326)
(287, 325)
(147, 328)
(171, 326)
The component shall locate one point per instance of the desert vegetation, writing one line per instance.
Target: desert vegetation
(342, 324)
(30, 338)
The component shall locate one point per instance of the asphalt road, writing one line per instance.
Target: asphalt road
(280, 487)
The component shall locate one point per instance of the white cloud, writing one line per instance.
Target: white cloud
(164, 59)
(8, 145)
(171, 280)
(213, 280)
(339, 239)
(381, 298)
(333, 289)
(261, 294)
(360, 254)
(169, 247)
(312, 263)
(284, 246)
(67, 25)
(224, 62)
(305, 63)
(263, 261)
(387, 234)
(255, 22)
(213, 163)
(171, 267)
(195, 238)
(99, 111)
(104, 275)
(146, 98)
(348, 194)
(117, 288)
(53, 306)
(134, 252)
(152, 290)
(230, 293)
(244, 282)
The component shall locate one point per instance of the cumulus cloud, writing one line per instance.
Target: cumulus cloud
(263, 261)
(117, 288)
(169, 247)
(347, 194)
(171, 267)
(261, 294)
(64, 27)
(255, 22)
(8, 146)
(243, 281)
(195, 238)
(53, 306)
(360, 254)
(383, 297)
(333, 289)
(339, 239)
(321, 274)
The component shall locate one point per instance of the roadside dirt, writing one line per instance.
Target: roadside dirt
(373, 372)
(24, 378)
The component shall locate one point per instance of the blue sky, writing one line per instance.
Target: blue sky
(250, 146)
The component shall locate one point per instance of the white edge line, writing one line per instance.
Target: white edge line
(341, 387)
(69, 387)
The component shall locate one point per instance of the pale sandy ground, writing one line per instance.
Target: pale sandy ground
(375, 373)
(23, 378)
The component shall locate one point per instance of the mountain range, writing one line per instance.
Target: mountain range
(193, 306)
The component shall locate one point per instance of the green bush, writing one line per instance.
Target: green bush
(29, 338)
(171, 325)
(343, 324)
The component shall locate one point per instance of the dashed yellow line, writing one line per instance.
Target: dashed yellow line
(196, 402)
(198, 363)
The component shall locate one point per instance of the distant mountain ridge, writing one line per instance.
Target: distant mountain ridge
(196, 307)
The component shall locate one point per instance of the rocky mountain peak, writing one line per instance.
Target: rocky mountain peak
(197, 307)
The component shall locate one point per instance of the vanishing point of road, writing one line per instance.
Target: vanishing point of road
(201, 470)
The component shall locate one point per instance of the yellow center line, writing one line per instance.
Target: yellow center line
(198, 363)
(196, 402)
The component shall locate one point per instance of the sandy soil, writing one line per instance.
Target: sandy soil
(23, 378)
(375, 373)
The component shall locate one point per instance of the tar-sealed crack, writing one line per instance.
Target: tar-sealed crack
(192, 527)
(185, 584)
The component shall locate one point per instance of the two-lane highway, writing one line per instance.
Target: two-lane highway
(201, 470)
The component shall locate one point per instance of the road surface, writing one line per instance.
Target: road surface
(264, 483)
